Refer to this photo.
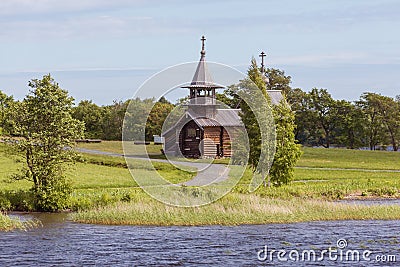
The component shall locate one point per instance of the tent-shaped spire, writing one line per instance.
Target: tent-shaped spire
(202, 78)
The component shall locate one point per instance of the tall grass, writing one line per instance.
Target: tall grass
(8, 224)
(233, 209)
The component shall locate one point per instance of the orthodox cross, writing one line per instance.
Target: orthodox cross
(262, 55)
(203, 39)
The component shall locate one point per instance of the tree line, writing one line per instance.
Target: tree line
(373, 121)
(101, 122)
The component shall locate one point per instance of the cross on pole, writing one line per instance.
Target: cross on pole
(203, 39)
(262, 55)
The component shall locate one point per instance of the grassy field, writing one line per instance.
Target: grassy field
(104, 191)
(349, 159)
(97, 180)
(116, 147)
(352, 178)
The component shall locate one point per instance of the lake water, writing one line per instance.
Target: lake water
(370, 202)
(64, 243)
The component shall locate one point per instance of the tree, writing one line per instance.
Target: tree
(113, 118)
(5, 103)
(304, 118)
(373, 122)
(287, 151)
(47, 133)
(156, 118)
(323, 107)
(349, 130)
(91, 115)
(249, 119)
(279, 81)
(390, 112)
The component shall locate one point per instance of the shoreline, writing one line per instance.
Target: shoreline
(269, 211)
(235, 209)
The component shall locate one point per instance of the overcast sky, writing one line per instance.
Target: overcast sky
(103, 50)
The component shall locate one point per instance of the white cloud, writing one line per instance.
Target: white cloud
(19, 7)
(330, 59)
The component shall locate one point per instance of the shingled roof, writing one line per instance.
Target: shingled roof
(223, 117)
(275, 95)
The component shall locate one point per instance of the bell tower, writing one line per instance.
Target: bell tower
(202, 98)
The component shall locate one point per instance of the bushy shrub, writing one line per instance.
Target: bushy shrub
(5, 204)
(17, 200)
(53, 197)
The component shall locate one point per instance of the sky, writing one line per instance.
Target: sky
(104, 50)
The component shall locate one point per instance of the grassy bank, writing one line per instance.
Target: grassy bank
(322, 176)
(233, 209)
(104, 191)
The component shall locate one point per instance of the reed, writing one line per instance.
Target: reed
(9, 224)
(233, 209)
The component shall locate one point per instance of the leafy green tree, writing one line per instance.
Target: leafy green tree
(250, 120)
(287, 150)
(323, 107)
(349, 130)
(47, 133)
(373, 122)
(112, 120)
(5, 103)
(228, 98)
(388, 110)
(305, 119)
(91, 115)
(136, 117)
(156, 118)
(279, 81)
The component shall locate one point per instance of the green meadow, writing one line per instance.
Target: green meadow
(105, 192)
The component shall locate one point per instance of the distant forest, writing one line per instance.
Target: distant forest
(372, 122)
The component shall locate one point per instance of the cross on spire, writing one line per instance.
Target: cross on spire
(203, 39)
(262, 55)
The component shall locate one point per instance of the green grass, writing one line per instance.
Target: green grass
(312, 157)
(97, 180)
(105, 192)
(153, 151)
(116, 147)
(166, 170)
(94, 171)
(8, 224)
(349, 159)
(331, 185)
(233, 209)
(308, 198)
